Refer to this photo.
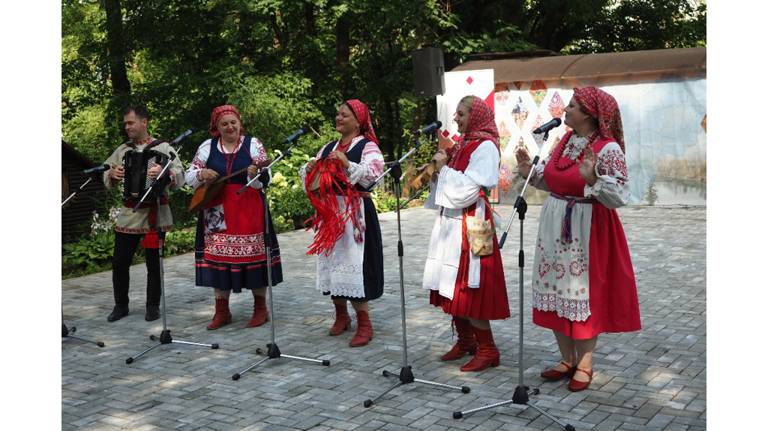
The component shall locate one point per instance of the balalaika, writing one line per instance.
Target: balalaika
(136, 165)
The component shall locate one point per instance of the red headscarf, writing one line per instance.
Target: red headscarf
(602, 106)
(360, 110)
(482, 125)
(217, 113)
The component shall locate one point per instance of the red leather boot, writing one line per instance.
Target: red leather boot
(487, 354)
(260, 313)
(221, 316)
(342, 321)
(466, 342)
(364, 332)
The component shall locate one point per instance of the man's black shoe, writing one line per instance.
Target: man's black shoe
(117, 313)
(153, 313)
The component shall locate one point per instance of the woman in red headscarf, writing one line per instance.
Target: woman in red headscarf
(230, 251)
(583, 281)
(350, 262)
(467, 283)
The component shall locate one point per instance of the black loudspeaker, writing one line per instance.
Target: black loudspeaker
(428, 70)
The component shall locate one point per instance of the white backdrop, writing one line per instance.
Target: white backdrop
(664, 130)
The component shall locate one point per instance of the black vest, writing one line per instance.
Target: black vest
(355, 154)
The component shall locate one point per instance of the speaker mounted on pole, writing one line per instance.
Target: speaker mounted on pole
(428, 72)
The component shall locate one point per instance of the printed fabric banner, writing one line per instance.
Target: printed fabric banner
(664, 130)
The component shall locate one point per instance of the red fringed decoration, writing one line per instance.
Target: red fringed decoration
(329, 220)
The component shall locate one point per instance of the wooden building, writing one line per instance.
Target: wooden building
(76, 215)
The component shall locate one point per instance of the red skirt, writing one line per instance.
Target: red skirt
(243, 239)
(613, 300)
(487, 302)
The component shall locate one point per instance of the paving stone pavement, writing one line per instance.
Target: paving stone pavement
(654, 379)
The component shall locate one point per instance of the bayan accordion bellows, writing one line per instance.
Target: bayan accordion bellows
(136, 165)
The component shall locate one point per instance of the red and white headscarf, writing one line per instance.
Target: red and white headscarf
(482, 125)
(217, 113)
(363, 116)
(600, 105)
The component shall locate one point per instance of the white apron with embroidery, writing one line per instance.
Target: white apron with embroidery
(562, 284)
(341, 272)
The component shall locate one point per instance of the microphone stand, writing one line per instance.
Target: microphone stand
(67, 332)
(273, 351)
(520, 395)
(405, 376)
(165, 334)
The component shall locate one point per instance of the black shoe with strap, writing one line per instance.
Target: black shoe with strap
(117, 313)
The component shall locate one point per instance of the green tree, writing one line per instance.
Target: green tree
(288, 63)
(631, 25)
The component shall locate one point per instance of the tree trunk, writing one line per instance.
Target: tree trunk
(342, 55)
(517, 13)
(281, 35)
(309, 17)
(116, 50)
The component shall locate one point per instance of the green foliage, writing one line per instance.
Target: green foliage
(93, 253)
(273, 106)
(288, 202)
(630, 25)
(178, 201)
(288, 63)
(85, 131)
(179, 241)
(501, 38)
(290, 206)
(90, 254)
(384, 201)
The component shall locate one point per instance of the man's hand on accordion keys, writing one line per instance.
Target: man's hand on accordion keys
(154, 171)
(117, 173)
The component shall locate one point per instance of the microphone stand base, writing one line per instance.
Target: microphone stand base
(68, 333)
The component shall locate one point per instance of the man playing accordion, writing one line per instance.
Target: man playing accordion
(135, 164)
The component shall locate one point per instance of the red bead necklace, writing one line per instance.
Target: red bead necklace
(557, 160)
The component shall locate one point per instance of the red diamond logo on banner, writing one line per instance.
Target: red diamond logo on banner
(470, 80)
(446, 133)
(455, 138)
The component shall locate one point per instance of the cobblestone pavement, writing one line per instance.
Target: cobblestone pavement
(652, 379)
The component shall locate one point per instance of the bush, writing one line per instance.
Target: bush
(384, 201)
(178, 201)
(90, 254)
(180, 241)
(94, 252)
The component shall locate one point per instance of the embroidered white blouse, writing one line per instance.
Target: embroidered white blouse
(256, 150)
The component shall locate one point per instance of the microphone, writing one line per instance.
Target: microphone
(97, 169)
(549, 125)
(295, 135)
(431, 126)
(181, 137)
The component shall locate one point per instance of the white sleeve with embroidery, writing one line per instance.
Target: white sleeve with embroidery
(176, 169)
(192, 176)
(371, 166)
(113, 160)
(258, 155)
(612, 186)
(460, 190)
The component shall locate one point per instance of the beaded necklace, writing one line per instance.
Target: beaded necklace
(558, 158)
(229, 158)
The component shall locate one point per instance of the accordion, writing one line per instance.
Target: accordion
(136, 165)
